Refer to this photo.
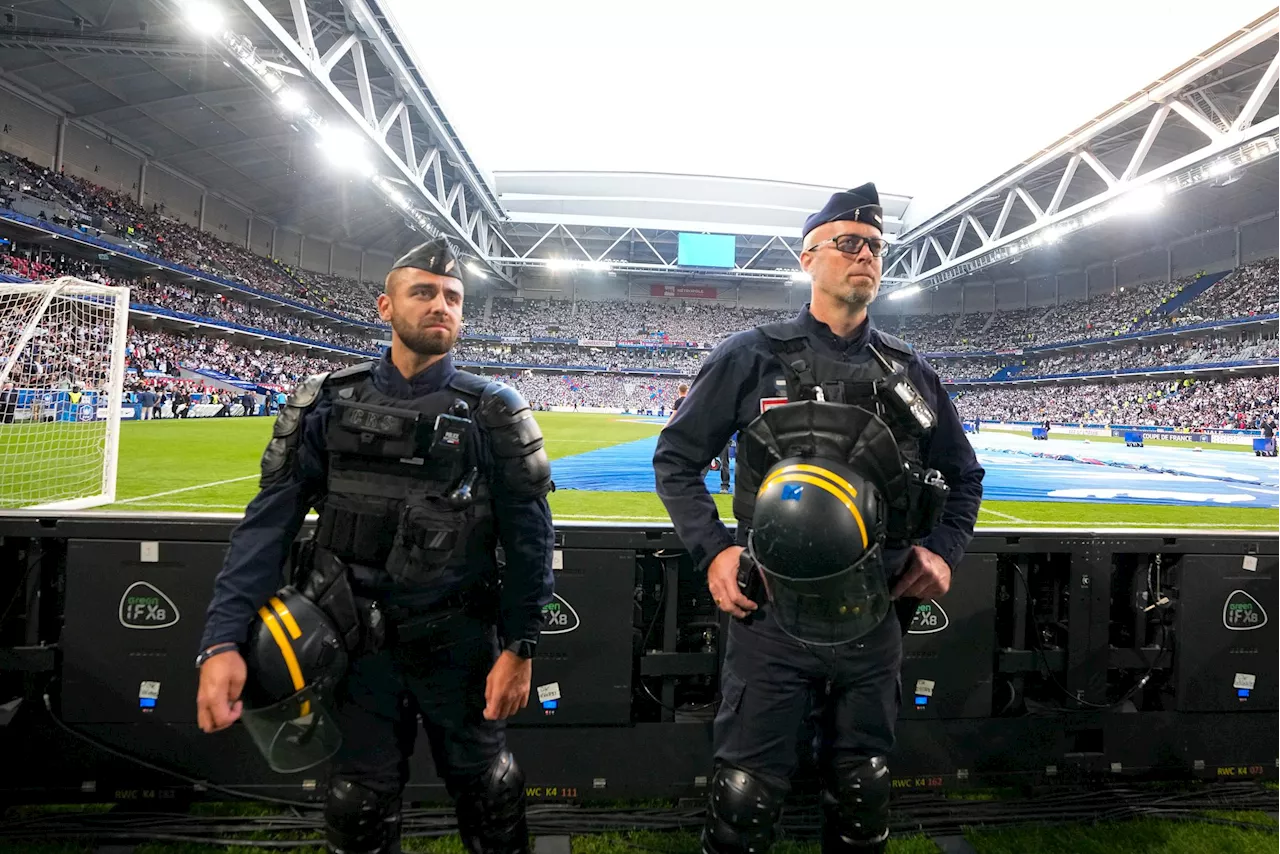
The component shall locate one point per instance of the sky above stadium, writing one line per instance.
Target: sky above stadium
(927, 98)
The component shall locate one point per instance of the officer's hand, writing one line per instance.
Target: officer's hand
(722, 581)
(506, 691)
(218, 703)
(928, 576)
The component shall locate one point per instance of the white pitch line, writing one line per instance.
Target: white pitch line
(185, 489)
(201, 506)
(1001, 515)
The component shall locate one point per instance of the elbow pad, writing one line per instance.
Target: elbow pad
(281, 453)
(522, 466)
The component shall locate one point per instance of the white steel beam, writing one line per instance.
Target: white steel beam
(1004, 215)
(362, 84)
(1159, 92)
(1067, 175)
(1196, 120)
(302, 26)
(977, 227)
(1099, 167)
(1260, 93)
(1144, 147)
(1029, 202)
(428, 159)
(389, 118)
(987, 253)
(363, 15)
(439, 204)
(955, 242)
(337, 50)
(937, 247)
(406, 140)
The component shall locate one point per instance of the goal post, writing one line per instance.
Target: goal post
(62, 346)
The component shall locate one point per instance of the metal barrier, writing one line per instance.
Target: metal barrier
(1057, 655)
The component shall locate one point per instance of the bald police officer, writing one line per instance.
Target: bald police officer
(418, 472)
(773, 672)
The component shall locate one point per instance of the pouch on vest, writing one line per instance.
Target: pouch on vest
(430, 529)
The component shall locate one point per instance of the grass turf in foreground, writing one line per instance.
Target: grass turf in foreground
(210, 465)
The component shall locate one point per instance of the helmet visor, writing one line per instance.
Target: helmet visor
(833, 609)
(294, 734)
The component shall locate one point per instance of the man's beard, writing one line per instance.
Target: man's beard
(423, 342)
(859, 295)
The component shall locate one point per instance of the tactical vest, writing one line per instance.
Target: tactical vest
(861, 383)
(406, 491)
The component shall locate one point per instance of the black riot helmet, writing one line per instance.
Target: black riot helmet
(294, 659)
(817, 535)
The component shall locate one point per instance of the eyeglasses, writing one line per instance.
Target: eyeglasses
(851, 244)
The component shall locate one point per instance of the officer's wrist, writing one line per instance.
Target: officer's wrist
(522, 649)
(215, 649)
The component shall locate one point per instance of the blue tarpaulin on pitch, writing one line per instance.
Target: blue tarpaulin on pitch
(1019, 469)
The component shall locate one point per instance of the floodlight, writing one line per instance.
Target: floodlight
(1141, 200)
(345, 149)
(801, 276)
(292, 100)
(557, 265)
(1220, 167)
(903, 293)
(205, 18)
(477, 269)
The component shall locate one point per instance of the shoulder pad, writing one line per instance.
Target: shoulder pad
(522, 466)
(469, 383)
(500, 403)
(308, 390)
(895, 345)
(351, 372)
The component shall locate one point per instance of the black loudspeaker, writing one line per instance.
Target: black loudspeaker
(948, 655)
(582, 674)
(1225, 658)
(134, 616)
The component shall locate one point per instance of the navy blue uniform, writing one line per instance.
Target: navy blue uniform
(771, 680)
(253, 568)
(440, 674)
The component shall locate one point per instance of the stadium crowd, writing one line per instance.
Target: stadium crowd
(78, 203)
(1243, 403)
(609, 358)
(681, 325)
(674, 322)
(231, 306)
(167, 353)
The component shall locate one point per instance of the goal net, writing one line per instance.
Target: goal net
(61, 382)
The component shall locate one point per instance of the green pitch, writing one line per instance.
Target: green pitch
(41, 463)
(211, 465)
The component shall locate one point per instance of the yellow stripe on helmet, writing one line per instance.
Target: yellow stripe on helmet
(820, 472)
(286, 649)
(285, 617)
(841, 496)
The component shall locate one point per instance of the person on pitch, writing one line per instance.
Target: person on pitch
(856, 493)
(418, 472)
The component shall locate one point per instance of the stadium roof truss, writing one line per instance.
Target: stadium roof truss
(643, 252)
(431, 180)
(1203, 122)
(135, 72)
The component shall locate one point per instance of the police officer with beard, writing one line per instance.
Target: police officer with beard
(856, 494)
(418, 472)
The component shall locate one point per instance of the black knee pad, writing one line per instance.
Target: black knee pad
(361, 820)
(855, 804)
(491, 818)
(741, 812)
